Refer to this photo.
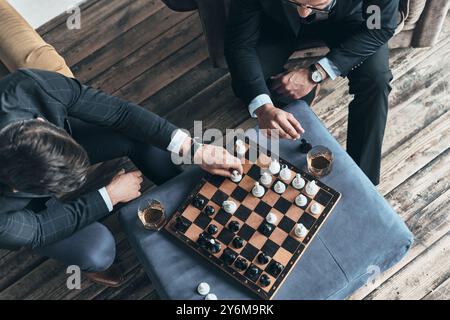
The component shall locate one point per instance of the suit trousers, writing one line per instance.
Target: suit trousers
(369, 83)
(93, 248)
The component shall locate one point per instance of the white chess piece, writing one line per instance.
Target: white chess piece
(266, 179)
(240, 148)
(203, 288)
(301, 200)
(316, 209)
(274, 167)
(312, 188)
(300, 230)
(229, 206)
(279, 187)
(236, 176)
(211, 296)
(258, 190)
(298, 182)
(285, 173)
(271, 218)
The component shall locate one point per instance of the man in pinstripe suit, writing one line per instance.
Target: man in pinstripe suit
(51, 129)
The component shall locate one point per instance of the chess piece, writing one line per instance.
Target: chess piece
(211, 296)
(274, 167)
(266, 179)
(301, 200)
(209, 210)
(271, 218)
(285, 173)
(298, 182)
(240, 148)
(263, 258)
(212, 229)
(180, 224)
(203, 288)
(203, 240)
(234, 226)
(279, 187)
(238, 242)
(316, 209)
(236, 177)
(229, 206)
(228, 256)
(253, 271)
(258, 190)
(241, 264)
(275, 269)
(264, 280)
(305, 146)
(300, 230)
(214, 246)
(312, 188)
(266, 229)
(198, 202)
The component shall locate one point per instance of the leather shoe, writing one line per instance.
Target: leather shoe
(112, 277)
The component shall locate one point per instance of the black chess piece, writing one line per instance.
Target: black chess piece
(264, 280)
(253, 271)
(198, 202)
(238, 242)
(266, 229)
(234, 226)
(241, 264)
(263, 258)
(203, 240)
(228, 256)
(209, 210)
(305, 146)
(180, 224)
(212, 229)
(275, 269)
(215, 247)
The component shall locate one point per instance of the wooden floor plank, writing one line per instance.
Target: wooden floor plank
(442, 292)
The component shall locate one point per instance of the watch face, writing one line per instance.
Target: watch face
(317, 76)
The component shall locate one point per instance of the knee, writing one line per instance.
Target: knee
(381, 82)
(101, 254)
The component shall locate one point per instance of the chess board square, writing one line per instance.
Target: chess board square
(242, 212)
(191, 213)
(290, 244)
(323, 197)
(255, 277)
(262, 209)
(225, 236)
(290, 194)
(219, 197)
(202, 221)
(270, 248)
(283, 256)
(264, 160)
(193, 232)
(239, 194)
(246, 232)
(222, 217)
(307, 220)
(294, 213)
(258, 240)
(228, 187)
(247, 183)
(250, 201)
(271, 197)
(216, 180)
(249, 252)
(286, 224)
(282, 205)
(247, 166)
(254, 220)
(186, 226)
(208, 190)
(278, 236)
(254, 172)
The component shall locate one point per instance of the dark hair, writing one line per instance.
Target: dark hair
(39, 158)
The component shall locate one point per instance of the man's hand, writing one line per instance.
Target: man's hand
(217, 160)
(294, 84)
(125, 187)
(272, 118)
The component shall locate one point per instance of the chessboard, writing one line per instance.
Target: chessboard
(243, 244)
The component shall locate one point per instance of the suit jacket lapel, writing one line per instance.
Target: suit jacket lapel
(292, 17)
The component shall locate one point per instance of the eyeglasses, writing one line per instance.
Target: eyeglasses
(313, 9)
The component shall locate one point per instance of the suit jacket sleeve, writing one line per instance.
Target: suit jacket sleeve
(365, 42)
(25, 228)
(242, 35)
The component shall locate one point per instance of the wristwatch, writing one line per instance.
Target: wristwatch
(316, 75)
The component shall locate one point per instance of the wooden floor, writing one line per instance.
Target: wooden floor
(144, 52)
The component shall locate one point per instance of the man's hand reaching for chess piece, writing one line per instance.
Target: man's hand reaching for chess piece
(213, 159)
(272, 118)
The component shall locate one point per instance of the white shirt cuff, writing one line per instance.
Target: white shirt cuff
(106, 198)
(259, 101)
(177, 141)
(330, 68)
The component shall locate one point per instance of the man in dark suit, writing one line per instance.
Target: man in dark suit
(262, 34)
(51, 129)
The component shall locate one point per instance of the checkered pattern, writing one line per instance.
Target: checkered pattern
(282, 246)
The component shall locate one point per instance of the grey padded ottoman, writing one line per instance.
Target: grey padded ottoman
(362, 234)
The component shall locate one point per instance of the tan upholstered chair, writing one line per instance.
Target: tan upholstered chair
(22, 47)
(420, 22)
